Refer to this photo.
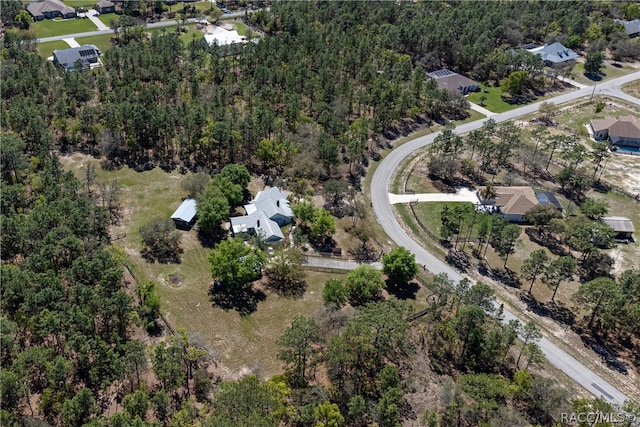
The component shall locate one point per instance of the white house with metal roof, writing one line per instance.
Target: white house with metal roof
(268, 211)
(554, 53)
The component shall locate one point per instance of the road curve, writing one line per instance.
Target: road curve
(381, 205)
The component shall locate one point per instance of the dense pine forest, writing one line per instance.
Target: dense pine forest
(328, 84)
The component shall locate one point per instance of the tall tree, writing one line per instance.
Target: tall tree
(597, 294)
(557, 271)
(363, 284)
(534, 266)
(399, 265)
(298, 346)
(235, 264)
(530, 333)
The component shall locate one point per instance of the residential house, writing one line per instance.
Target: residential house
(622, 132)
(548, 198)
(451, 81)
(515, 202)
(632, 28)
(88, 55)
(185, 216)
(553, 54)
(622, 226)
(269, 211)
(49, 9)
(223, 37)
(105, 6)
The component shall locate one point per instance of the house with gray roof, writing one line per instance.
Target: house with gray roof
(105, 6)
(632, 28)
(454, 82)
(554, 53)
(49, 9)
(268, 211)
(185, 216)
(88, 55)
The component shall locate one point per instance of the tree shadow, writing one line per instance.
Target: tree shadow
(608, 355)
(244, 300)
(551, 310)
(546, 241)
(210, 239)
(594, 77)
(293, 290)
(403, 291)
(459, 259)
(503, 275)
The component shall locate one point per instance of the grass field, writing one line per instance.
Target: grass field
(240, 343)
(102, 42)
(59, 27)
(191, 34)
(609, 71)
(632, 88)
(46, 49)
(79, 3)
(108, 17)
(494, 101)
(240, 27)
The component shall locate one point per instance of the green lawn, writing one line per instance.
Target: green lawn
(240, 28)
(108, 17)
(608, 72)
(494, 101)
(102, 42)
(46, 49)
(186, 38)
(79, 3)
(59, 27)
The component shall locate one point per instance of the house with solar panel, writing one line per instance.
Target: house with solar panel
(86, 57)
(454, 82)
(268, 211)
(185, 216)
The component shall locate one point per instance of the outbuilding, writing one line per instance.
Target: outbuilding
(622, 226)
(185, 216)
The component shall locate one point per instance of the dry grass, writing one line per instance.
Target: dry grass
(240, 343)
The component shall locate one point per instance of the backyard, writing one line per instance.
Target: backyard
(102, 42)
(240, 341)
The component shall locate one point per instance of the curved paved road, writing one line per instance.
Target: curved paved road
(382, 207)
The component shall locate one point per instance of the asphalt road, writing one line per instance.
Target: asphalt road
(382, 207)
(159, 24)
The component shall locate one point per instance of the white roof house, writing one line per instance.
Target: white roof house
(223, 37)
(185, 215)
(257, 223)
(269, 211)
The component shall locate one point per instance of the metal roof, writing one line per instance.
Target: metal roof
(87, 53)
(186, 211)
(619, 224)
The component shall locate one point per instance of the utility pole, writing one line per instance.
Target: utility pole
(594, 91)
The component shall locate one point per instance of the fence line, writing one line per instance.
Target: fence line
(326, 269)
(164, 320)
